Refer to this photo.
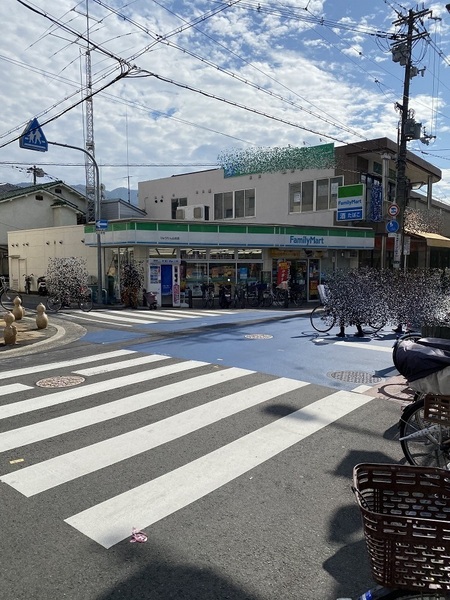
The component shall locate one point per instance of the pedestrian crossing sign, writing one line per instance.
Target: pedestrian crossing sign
(33, 137)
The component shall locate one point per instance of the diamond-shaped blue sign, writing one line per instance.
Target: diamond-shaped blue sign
(33, 137)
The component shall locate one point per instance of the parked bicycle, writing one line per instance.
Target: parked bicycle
(7, 295)
(208, 295)
(424, 427)
(83, 299)
(324, 316)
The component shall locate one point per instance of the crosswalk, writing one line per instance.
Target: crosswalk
(192, 317)
(129, 318)
(130, 404)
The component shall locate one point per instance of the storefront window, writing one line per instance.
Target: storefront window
(222, 273)
(220, 254)
(192, 253)
(248, 273)
(195, 275)
(162, 252)
(249, 253)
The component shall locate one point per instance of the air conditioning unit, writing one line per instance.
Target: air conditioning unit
(199, 212)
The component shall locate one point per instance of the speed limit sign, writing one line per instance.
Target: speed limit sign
(393, 209)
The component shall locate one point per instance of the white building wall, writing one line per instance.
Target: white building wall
(30, 251)
(271, 195)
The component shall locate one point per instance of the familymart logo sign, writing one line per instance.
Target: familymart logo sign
(351, 202)
(306, 240)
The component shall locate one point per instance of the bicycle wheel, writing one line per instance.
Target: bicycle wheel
(85, 303)
(267, 300)
(7, 298)
(252, 299)
(53, 303)
(322, 319)
(424, 443)
(210, 302)
(297, 298)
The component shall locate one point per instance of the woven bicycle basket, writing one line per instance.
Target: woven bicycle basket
(406, 518)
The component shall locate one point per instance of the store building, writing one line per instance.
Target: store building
(266, 216)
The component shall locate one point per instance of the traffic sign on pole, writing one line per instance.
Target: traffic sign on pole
(392, 226)
(393, 209)
(33, 137)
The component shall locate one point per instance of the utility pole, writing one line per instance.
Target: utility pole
(402, 52)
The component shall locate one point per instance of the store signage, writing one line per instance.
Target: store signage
(351, 202)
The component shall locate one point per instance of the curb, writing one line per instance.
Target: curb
(31, 340)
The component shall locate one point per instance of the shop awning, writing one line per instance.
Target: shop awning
(434, 240)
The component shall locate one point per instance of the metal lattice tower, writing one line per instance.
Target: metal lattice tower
(89, 134)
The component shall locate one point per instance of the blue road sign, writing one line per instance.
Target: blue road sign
(33, 137)
(101, 224)
(392, 226)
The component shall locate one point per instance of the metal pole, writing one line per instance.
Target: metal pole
(97, 216)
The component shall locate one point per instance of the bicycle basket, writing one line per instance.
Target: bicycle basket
(406, 519)
(437, 409)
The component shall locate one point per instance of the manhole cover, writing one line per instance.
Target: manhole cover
(258, 336)
(355, 376)
(60, 382)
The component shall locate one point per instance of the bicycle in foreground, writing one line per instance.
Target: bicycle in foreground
(7, 295)
(83, 299)
(424, 427)
(406, 519)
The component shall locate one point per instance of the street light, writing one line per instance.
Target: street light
(97, 215)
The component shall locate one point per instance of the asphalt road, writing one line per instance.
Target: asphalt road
(225, 438)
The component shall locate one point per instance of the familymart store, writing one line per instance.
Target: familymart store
(178, 257)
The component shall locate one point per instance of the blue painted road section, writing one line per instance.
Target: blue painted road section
(287, 347)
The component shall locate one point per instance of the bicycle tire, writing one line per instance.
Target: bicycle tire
(297, 298)
(426, 450)
(85, 304)
(252, 300)
(267, 301)
(7, 298)
(53, 303)
(321, 319)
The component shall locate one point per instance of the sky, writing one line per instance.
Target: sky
(179, 84)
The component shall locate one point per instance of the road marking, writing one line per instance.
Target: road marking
(123, 364)
(65, 363)
(12, 388)
(61, 469)
(67, 395)
(145, 315)
(111, 521)
(109, 317)
(364, 346)
(15, 438)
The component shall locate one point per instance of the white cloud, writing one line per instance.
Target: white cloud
(341, 75)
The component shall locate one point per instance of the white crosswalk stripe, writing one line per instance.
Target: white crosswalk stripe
(215, 394)
(128, 318)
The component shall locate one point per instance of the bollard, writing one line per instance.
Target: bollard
(10, 331)
(18, 310)
(41, 317)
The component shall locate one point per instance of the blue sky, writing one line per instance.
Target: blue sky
(207, 77)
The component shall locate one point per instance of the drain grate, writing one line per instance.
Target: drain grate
(258, 336)
(355, 377)
(60, 382)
